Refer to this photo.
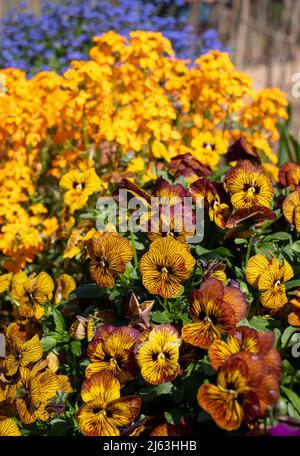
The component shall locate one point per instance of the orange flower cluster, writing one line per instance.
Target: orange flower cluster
(132, 103)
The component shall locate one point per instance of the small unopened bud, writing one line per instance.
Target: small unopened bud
(52, 361)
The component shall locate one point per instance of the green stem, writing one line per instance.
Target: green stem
(249, 248)
(135, 257)
(67, 402)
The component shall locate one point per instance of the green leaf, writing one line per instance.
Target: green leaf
(139, 245)
(134, 274)
(201, 250)
(59, 321)
(264, 247)
(48, 342)
(185, 319)
(285, 152)
(150, 392)
(292, 412)
(88, 290)
(160, 317)
(219, 173)
(292, 397)
(296, 147)
(169, 418)
(287, 335)
(296, 246)
(223, 252)
(259, 323)
(178, 394)
(277, 334)
(292, 284)
(279, 236)
(75, 347)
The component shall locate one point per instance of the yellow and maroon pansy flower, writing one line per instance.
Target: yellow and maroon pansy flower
(289, 176)
(65, 285)
(212, 268)
(34, 391)
(168, 219)
(165, 266)
(104, 412)
(269, 277)
(215, 310)
(112, 350)
(294, 315)
(157, 353)
(242, 394)
(244, 339)
(240, 150)
(79, 186)
(21, 353)
(8, 427)
(242, 222)
(30, 293)
(215, 200)
(163, 209)
(248, 186)
(189, 167)
(109, 255)
(291, 209)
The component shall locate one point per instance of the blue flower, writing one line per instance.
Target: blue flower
(64, 31)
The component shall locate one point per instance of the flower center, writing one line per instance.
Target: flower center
(209, 318)
(99, 411)
(102, 262)
(78, 185)
(30, 296)
(251, 188)
(209, 146)
(164, 269)
(113, 361)
(160, 356)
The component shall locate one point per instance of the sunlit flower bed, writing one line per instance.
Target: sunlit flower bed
(128, 332)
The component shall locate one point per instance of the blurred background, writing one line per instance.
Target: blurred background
(262, 36)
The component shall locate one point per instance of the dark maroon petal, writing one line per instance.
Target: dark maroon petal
(255, 215)
(240, 151)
